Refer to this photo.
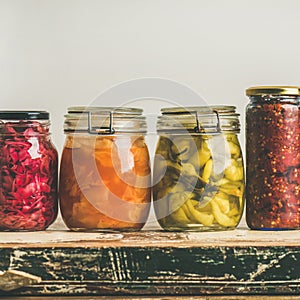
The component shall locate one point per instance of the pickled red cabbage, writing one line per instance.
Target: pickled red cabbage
(28, 178)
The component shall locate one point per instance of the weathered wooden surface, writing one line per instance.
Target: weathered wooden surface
(240, 262)
(60, 238)
(12, 279)
(162, 298)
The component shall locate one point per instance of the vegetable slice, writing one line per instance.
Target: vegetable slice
(28, 181)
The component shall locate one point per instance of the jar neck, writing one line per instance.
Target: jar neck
(275, 99)
(203, 120)
(105, 121)
(24, 128)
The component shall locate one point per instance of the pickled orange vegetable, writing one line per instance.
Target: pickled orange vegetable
(105, 182)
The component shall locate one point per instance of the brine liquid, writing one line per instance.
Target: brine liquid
(105, 183)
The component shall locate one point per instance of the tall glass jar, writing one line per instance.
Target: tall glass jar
(29, 167)
(105, 175)
(273, 158)
(198, 169)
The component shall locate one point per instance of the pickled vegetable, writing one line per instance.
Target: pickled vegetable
(191, 191)
(273, 163)
(28, 178)
(105, 182)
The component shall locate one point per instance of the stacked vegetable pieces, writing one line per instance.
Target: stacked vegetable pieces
(199, 182)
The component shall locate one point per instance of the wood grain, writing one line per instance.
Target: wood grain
(240, 262)
(61, 238)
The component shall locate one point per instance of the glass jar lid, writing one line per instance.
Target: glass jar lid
(23, 115)
(199, 119)
(105, 120)
(273, 90)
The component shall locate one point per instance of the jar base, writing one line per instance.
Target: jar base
(105, 230)
(275, 229)
(22, 230)
(197, 228)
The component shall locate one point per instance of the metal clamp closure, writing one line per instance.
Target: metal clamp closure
(200, 129)
(102, 129)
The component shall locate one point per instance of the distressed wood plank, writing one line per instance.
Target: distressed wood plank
(163, 298)
(161, 265)
(155, 263)
(165, 291)
(149, 271)
(239, 237)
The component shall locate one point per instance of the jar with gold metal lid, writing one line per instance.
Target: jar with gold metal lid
(105, 175)
(273, 158)
(198, 169)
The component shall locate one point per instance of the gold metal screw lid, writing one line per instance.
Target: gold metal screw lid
(273, 90)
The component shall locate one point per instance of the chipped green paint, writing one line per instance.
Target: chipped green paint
(156, 271)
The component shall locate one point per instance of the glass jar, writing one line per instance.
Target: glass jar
(273, 158)
(198, 169)
(29, 171)
(105, 178)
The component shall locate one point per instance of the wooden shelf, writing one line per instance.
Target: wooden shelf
(239, 262)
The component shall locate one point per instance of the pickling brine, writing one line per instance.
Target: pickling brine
(198, 175)
(105, 181)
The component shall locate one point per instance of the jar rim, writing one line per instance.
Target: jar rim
(221, 109)
(103, 109)
(273, 90)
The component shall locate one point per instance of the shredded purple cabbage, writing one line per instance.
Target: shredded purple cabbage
(28, 177)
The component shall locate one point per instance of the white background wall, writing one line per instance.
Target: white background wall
(58, 53)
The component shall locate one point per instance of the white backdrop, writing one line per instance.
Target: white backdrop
(59, 53)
